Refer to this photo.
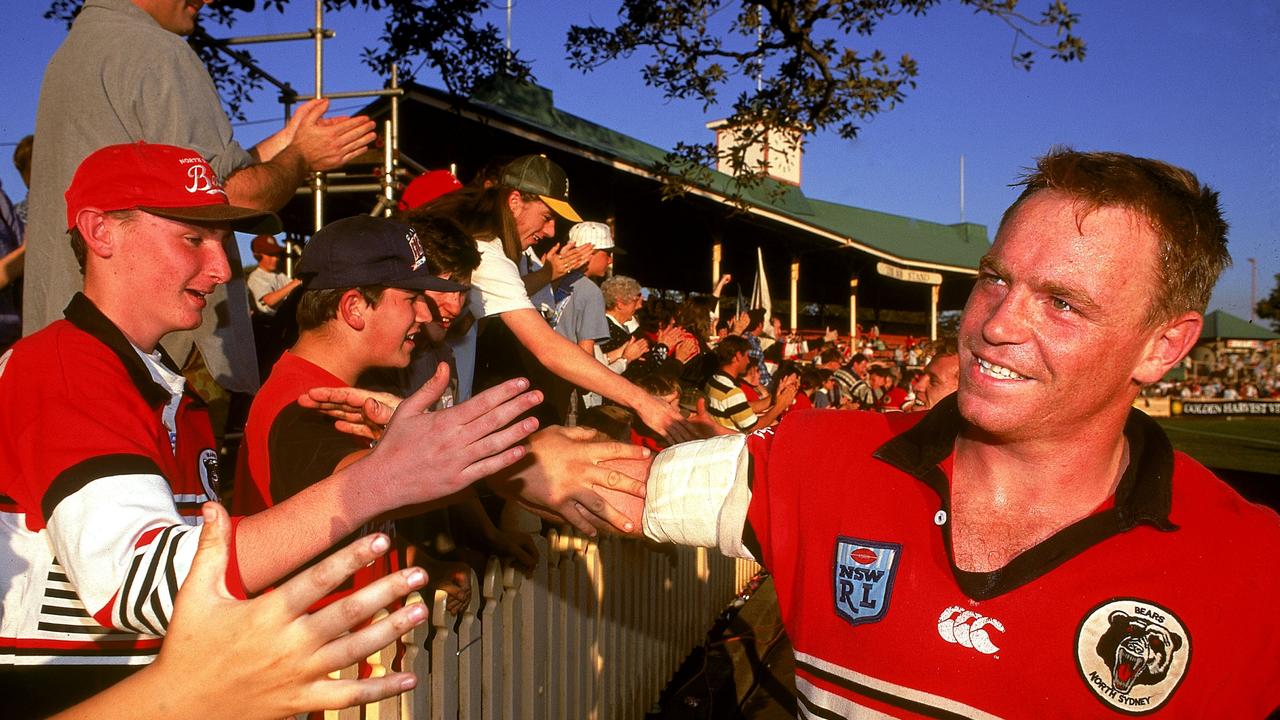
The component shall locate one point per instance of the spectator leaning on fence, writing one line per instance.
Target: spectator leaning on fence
(506, 219)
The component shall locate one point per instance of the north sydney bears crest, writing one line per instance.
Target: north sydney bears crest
(863, 583)
(1132, 654)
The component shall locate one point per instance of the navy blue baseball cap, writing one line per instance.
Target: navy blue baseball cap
(360, 251)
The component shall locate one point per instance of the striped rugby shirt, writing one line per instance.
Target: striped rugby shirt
(104, 463)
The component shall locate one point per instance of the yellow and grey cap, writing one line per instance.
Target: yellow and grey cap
(536, 174)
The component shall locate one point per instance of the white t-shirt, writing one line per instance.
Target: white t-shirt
(262, 283)
(496, 286)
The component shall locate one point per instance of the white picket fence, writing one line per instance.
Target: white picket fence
(595, 634)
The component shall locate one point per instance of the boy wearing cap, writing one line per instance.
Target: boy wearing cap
(267, 285)
(105, 458)
(365, 300)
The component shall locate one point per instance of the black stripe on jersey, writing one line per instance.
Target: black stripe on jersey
(170, 582)
(82, 313)
(61, 594)
(876, 694)
(70, 481)
(818, 710)
(59, 577)
(96, 630)
(158, 548)
(122, 602)
(63, 611)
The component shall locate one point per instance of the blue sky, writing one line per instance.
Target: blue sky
(1193, 83)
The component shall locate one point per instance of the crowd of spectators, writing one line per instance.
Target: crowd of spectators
(1251, 375)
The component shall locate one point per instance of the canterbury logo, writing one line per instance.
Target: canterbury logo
(202, 180)
(964, 627)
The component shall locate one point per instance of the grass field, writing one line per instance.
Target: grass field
(1242, 443)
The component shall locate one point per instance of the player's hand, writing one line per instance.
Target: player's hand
(329, 143)
(359, 412)
(787, 390)
(268, 657)
(563, 476)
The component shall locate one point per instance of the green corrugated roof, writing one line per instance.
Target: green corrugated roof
(962, 244)
(909, 239)
(1224, 325)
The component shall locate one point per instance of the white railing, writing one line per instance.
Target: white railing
(595, 633)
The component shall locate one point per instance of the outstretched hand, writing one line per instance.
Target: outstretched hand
(435, 454)
(267, 657)
(356, 411)
(659, 416)
(563, 477)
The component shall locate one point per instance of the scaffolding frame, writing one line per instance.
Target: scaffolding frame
(321, 184)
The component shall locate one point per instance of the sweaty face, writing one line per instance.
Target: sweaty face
(392, 325)
(176, 16)
(1053, 333)
(172, 267)
(534, 220)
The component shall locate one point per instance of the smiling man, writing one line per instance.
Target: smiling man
(1032, 546)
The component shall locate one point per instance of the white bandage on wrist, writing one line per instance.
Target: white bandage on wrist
(698, 495)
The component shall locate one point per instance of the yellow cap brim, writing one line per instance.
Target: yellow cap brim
(561, 208)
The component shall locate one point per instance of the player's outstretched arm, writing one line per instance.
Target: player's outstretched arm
(267, 657)
(564, 476)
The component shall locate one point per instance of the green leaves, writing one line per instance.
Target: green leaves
(812, 74)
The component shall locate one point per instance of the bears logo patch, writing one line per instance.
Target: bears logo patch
(209, 473)
(1132, 654)
(863, 582)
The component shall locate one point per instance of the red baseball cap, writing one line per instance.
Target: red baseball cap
(266, 245)
(163, 180)
(427, 187)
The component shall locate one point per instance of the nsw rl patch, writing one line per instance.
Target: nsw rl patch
(864, 572)
(1132, 654)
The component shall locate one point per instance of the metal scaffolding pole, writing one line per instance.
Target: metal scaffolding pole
(319, 186)
(317, 180)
